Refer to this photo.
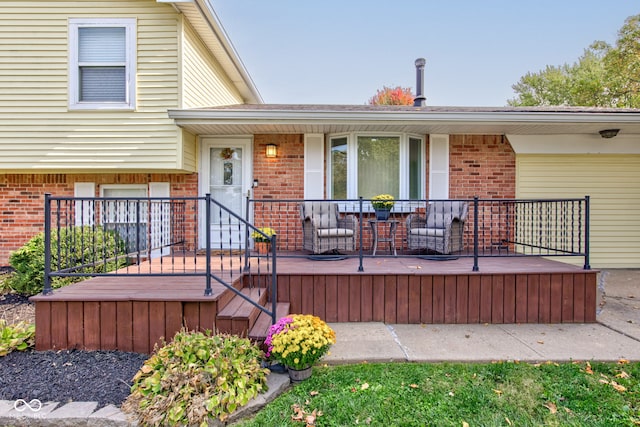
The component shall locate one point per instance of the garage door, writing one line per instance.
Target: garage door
(612, 181)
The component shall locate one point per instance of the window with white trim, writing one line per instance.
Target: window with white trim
(102, 63)
(364, 165)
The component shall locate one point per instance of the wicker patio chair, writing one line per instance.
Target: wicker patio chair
(440, 230)
(324, 230)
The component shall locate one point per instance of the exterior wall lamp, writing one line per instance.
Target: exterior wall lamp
(609, 133)
(271, 151)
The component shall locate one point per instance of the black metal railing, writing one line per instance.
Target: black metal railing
(153, 236)
(473, 228)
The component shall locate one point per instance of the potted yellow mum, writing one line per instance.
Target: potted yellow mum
(382, 204)
(298, 341)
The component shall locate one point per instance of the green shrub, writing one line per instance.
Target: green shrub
(20, 336)
(195, 378)
(71, 247)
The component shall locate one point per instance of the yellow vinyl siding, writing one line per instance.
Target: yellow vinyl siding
(205, 83)
(38, 133)
(612, 182)
(189, 150)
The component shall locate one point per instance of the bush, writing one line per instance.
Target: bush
(197, 377)
(20, 336)
(71, 247)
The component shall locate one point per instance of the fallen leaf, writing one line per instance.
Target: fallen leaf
(540, 342)
(314, 393)
(567, 410)
(364, 386)
(603, 381)
(623, 374)
(618, 387)
(413, 385)
(551, 407)
(465, 424)
(498, 392)
(623, 362)
(588, 369)
(451, 394)
(508, 420)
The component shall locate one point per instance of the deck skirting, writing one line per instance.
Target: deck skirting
(440, 299)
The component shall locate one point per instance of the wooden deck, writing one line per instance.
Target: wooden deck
(133, 313)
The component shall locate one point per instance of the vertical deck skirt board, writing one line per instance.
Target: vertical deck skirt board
(497, 299)
(75, 324)
(413, 295)
(509, 299)
(124, 325)
(108, 325)
(378, 298)
(402, 306)
(462, 299)
(438, 299)
(544, 295)
(343, 298)
(319, 295)
(43, 331)
(473, 313)
(486, 298)
(366, 295)
(533, 299)
(426, 299)
(355, 297)
(450, 294)
(390, 299)
(140, 324)
(59, 324)
(590, 298)
(157, 331)
(91, 311)
(331, 298)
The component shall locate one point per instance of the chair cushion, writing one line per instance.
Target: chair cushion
(334, 232)
(325, 220)
(431, 232)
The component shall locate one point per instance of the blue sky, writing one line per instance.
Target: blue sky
(342, 51)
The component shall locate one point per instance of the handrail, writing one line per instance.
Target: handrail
(134, 229)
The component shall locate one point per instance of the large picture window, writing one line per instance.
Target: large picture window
(102, 63)
(365, 165)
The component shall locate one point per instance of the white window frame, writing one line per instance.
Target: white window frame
(352, 162)
(129, 24)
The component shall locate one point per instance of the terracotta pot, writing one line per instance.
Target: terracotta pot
(263, 248)
(298, 375)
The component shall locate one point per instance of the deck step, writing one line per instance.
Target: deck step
(261, 327)
(239, 315)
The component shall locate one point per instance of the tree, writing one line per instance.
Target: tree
(604, 76)
(392, 96)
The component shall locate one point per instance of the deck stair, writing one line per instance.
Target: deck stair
(240, 317)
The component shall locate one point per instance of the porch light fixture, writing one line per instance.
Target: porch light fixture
(609, 133)
(271, 151)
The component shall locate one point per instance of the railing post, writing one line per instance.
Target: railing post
(246, 232)
(587, 266)
(207, 198)
(47, 244)
(475, 234)
(274, 282)
(360, 253)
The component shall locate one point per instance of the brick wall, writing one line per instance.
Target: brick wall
(481, 165)
(22, 199)
(280, 178)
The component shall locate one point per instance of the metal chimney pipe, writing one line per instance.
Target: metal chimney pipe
(420, 100)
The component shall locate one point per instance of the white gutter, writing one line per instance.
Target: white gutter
(282, 116)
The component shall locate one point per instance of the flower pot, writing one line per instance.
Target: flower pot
(298, 375)
(382, 214)
(263, 248)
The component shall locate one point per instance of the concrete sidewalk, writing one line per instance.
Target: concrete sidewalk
(615, 336)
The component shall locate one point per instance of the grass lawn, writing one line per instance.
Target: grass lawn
(453, 394)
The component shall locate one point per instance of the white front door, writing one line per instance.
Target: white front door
(226, 174)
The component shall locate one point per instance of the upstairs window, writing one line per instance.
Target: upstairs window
(367, 165)
(102, 63)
